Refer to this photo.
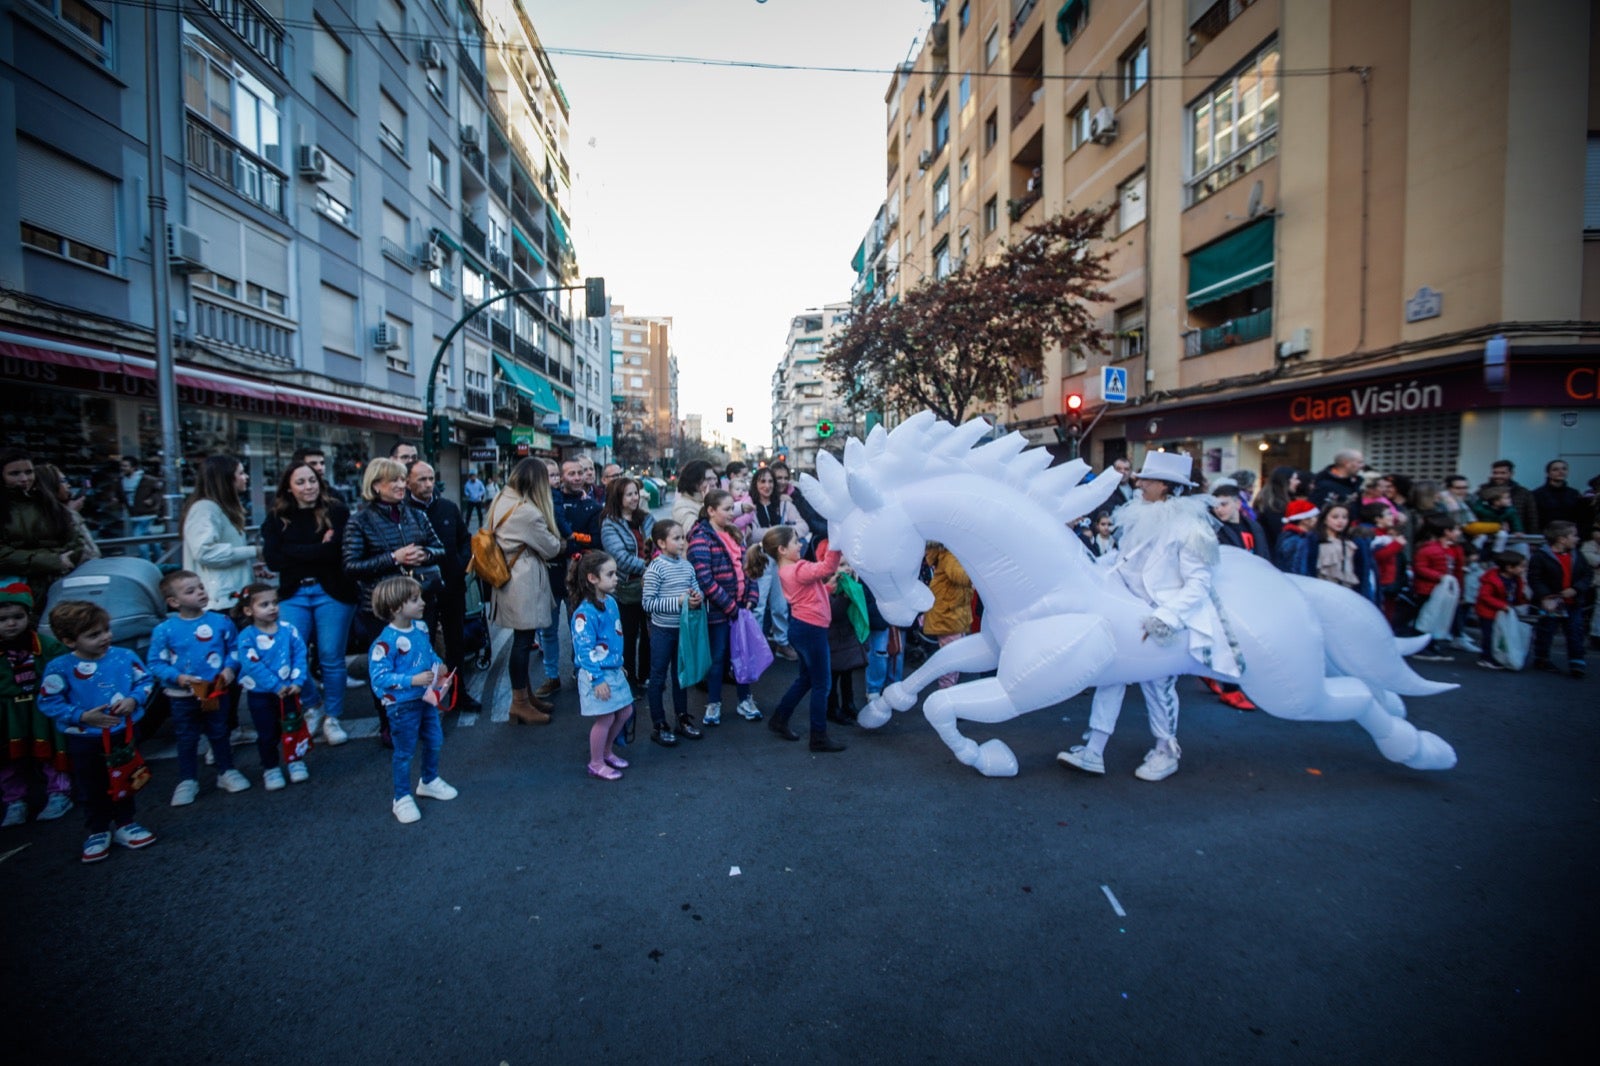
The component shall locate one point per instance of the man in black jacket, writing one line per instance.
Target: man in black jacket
(1238, 529)
(1558, 501)
(1502, 473)
(1562, 585)
(1341, 480)
(451, 617)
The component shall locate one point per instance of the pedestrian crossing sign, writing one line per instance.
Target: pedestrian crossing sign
(1114, 384)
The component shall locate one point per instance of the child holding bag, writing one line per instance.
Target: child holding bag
(1502, 589)
(603, 692)
(404, 669)
(270, 662)
(807, 587)
(669, 585)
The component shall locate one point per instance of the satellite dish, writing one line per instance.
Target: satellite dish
(1254, 208)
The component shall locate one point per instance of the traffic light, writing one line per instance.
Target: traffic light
(1075, 413)
(824, 429)
(730, 414)
(594, 298)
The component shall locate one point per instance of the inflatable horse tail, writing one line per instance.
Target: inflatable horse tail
(1366, 650)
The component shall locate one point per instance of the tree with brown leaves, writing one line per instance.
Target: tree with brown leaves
(970, 339)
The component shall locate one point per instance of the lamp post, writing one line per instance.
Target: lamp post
(594, 307)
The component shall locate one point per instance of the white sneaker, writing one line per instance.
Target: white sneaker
(16, 814)
(243, 735)
(713, 715)
(185, 793)
(438, 789)
(205, 750)
(748, 710)
(273, 779)
(298, 771)
(405, 811)
(232, 781)
(313, 719)
(333, 732)
(54, 807)
(1160, 763)
(1083, 758)
(1466, 643)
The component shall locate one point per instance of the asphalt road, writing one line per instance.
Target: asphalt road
(1289, 897)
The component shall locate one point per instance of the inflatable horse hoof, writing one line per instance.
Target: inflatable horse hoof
(1432, 753)
(874, 714)
(996, 760)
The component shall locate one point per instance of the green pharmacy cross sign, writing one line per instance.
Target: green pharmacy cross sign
(824, 429)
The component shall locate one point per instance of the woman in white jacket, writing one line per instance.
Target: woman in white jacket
(213, 531)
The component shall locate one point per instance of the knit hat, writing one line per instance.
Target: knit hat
(1300, 511)
(16, 590)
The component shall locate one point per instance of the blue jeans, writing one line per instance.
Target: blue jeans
(664, 670)
(264, 715)
(810, 643)
(769, 596)
(882, 669)
(410, 722)
(324, 624)
(91, 783)
(550, 641)
(721, 659)
(1544, 635)
(188, 722)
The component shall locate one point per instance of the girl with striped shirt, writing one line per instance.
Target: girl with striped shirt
(669, 582)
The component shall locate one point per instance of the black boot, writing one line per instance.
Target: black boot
(779, 724)
(823, 742)
(662, 734)
(688, 728)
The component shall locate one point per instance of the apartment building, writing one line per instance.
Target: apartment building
(1325, 211)
(343, 180)
(645, 386)
(807, 412)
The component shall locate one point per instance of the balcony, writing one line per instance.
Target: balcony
(1023, 14)
(1230, 334)
(479, 403)
(217, 156)
(243, 331)
(469, 67)
(254, 27)
(472, 237)
(1019, 206)
(500, 334)
(498, 185)
(1213, 21)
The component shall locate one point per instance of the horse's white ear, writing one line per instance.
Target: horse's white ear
(863, 493)
(1087, 498)
(817, 496)
(855, 454)
(962, 438)
(831, 475)
(915, 426)
(877, 441)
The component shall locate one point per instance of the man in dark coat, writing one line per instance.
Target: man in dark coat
(451, 616)
(1558, 501)
(1501, 473)
(1341, 480)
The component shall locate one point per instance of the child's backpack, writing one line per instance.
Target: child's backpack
(488, 561)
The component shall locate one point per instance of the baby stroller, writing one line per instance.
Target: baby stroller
(476, 647)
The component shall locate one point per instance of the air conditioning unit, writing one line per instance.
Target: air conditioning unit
(186, 249)
(432, 55)
(314, 162)
(1103, 126)
(432, 256)
(387, 338)
(469, 137)
(925, 160)
(1299, 343)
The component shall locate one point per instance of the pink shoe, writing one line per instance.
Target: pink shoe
(605, 773)
(616, 761)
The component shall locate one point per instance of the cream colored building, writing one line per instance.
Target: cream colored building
(644, 391)
(803, 400)
(1326, 209)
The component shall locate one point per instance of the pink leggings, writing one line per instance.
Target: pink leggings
(14, 782)
(946, 680)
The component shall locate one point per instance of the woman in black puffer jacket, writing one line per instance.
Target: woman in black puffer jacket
(386, 538)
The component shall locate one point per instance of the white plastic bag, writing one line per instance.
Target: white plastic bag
(1438, 615)
(1510, 639)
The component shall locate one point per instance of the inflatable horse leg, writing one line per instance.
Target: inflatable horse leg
(1044, 661)
(970, 655)
(1347, 698)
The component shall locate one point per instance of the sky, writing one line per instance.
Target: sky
(730, 199)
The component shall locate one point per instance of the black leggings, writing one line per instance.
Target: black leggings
(524, 642)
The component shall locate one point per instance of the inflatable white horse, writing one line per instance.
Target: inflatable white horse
(1055, 623)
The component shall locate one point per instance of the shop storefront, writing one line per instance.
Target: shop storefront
(1427, 419)
(83, 409)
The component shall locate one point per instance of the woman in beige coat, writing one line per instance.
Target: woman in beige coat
(524, 524)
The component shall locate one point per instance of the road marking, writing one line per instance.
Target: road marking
(13, 851)
(1114, 904)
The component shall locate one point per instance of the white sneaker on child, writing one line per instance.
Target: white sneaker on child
(438, 789)
(405, 811)
(58, 804)
(273, 779)
(298, 771)
(185, 793)
(333, 732)
(16, 814)
(232, 781)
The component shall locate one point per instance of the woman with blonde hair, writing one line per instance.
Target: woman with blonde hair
(523, 519)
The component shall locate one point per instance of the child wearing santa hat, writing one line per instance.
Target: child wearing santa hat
(1297, 547)
(30, 738)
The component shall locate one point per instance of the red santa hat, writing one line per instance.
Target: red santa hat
(1300, 511)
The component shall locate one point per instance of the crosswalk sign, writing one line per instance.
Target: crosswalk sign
(1114, 384)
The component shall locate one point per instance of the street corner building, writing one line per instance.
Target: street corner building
(1328, 219)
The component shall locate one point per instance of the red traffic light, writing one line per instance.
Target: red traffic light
(1074, 401)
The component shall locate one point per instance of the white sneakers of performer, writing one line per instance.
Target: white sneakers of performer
(1083, 758)
(1160, 763)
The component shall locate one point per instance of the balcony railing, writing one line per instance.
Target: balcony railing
(479, 403)
(216, 155)
(254, 26)
(498, 185)
(237, 328)
(469, 67)
(473, 237)
(1241, 330)
(1018, 207)
(1027, 104)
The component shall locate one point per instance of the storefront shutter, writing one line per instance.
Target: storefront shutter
(65, 197)
(1420, 446)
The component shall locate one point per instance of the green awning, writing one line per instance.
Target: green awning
(527, 244)
(872, 282)
(448, 241)
(1070, 19)
(555, 224)
(530, 384)
(859, 261)
(1239, 261)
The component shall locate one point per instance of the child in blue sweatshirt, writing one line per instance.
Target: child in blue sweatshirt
(603, 692)
(190, 656)
(404, 669)
(96, 688)
(270, 660)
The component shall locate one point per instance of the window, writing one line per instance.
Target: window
(229, 97)
(84, 19)
(1128, 328)
(991, 130)
(966, 167)
(1074, 15)
(991, 215)
(338, 320)
(392, 20)
(438, 171)
(964, 243)
(941, 195)
(964, 16)
(330, 60)
(1233, 126)
(922, 104)
(636, 382)
(391, 124)
(635, 338)
(1130, 203)
(941, 259)
(65, 208)
(922, 224)
(991, 48)
(1078, 124)
(399, 358)
(336, 195)
(396, 241)
(941, 126)
(964, 92)
(474, 287)
(1591, 185)
(1133, 69)
(243, 261)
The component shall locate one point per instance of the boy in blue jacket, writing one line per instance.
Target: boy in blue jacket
(404, 670)
(96, 689)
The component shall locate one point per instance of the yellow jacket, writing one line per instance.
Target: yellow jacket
(952, 596)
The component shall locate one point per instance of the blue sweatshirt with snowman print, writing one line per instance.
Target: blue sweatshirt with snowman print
(397, 656)
(72, 685)
(270, 662)
(200, 647)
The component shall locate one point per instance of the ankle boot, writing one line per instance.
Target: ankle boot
(543, 706)
(523, 712)
(779, 724)
(823, 742)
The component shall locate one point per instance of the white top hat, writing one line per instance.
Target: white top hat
(1168, 466)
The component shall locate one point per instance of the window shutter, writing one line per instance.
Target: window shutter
(65, 197)
(394, 225)
(330, 61)
(338, 321)
(221, 231)
(266, 260)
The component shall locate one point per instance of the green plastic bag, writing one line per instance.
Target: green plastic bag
(694, 646)
(857, 612)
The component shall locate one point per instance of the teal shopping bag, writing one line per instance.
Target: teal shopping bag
(694, 646)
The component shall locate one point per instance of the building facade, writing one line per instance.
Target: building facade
(807, 411)
(644, 387)
(343, 180)
(1325, 211)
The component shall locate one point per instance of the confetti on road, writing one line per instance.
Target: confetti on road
(1114, 905)
(1313, 771)
(734, 871)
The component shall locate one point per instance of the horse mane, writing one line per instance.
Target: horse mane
(924, 447)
